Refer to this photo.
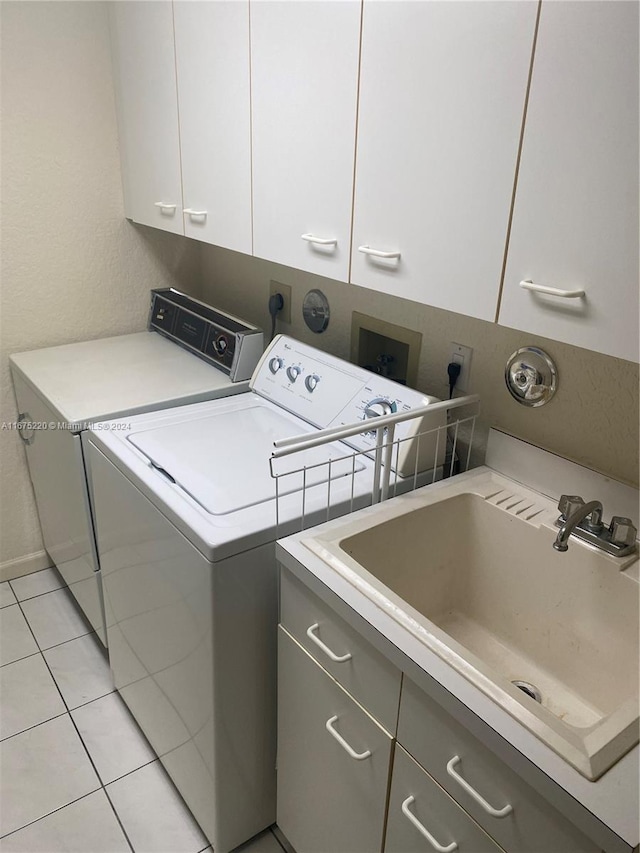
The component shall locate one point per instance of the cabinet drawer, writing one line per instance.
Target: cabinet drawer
(329, 801)
(366, 674)
(433, 809)
(434, 739)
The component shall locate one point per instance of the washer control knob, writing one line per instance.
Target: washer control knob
(294, 371)
(275, 364)
(311, 382)
(379, 406)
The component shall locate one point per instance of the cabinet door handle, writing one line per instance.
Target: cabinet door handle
(164, 206)
(191, 212)
(321, 241)
(488, 808)
(551, 291)
(25, 418)
(425, 832)
(334, 657)
(359, 756)
(367, 250)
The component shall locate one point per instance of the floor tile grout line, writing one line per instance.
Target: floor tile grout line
(84, 746)
(79, 637)
(17, 660)
(95, 698)
(130, 772)
(34, 726)
(53, 811)
(55, 645)
(37, 594)
(120, 823)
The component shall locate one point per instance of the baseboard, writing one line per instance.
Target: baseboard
(11, 569)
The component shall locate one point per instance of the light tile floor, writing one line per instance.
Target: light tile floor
(76, 773)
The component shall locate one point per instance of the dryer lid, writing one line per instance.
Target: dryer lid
(222, 460)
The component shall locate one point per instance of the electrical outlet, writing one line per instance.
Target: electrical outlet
(462, 356)
(285, 290)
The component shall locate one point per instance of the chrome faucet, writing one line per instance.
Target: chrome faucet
(584, 521)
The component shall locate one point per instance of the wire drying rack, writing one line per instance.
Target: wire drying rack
(323, 479)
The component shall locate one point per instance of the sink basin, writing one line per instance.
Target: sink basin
(469, 568)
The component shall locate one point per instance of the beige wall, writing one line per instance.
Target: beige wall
(72, 267)
(593, 419)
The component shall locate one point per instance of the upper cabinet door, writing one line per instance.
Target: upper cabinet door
(212, 56)
(145, 81)
(304, 68)
(442, 94)
(575, 222)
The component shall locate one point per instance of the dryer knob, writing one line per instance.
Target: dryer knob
(293, 372)
(275, 364)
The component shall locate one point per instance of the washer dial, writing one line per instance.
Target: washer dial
(293, 372)
(311, 382)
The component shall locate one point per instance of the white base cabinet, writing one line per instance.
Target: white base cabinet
(333, 761)
(447, 791)
(423, 817)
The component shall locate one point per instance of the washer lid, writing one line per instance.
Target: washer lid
(222, 460)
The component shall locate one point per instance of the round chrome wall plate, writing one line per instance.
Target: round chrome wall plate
(315, 310)
(531, 377)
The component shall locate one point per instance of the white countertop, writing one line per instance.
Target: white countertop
(127, 374)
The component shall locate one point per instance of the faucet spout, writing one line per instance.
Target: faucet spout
(591, 511)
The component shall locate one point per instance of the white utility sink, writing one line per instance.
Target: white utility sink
(469, 569)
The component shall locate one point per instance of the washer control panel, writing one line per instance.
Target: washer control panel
(329, 392)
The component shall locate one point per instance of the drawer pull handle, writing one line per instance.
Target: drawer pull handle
(376, 253)
(191, 212)
(164, 206)
(425, 832)
(334, 657)
(551, 291)
(359, 756)
(321, 241)
(489, 809)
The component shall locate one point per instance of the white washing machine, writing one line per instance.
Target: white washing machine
(61, 390)
(186, 524)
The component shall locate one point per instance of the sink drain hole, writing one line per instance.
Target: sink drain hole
(530, 689)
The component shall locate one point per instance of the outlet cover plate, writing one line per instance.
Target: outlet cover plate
(462, 355)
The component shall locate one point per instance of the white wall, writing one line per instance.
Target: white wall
(72, 267)
(593, 419)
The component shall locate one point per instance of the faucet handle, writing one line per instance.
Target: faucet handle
(568, 504)
(622, 530)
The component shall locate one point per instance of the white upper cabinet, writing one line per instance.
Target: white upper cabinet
(575, 223)
(145, 82)
(304, 67)
(212, 60)
(442, 94)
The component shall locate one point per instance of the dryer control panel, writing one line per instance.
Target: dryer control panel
(230, 344)
(329, 392)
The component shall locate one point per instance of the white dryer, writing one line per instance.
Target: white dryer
(186, 524)
(61, 390)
